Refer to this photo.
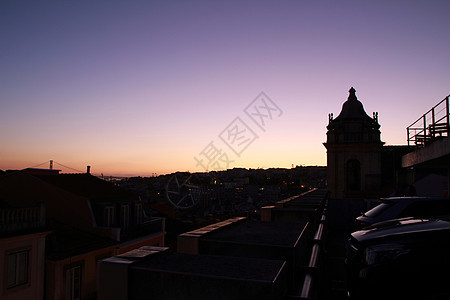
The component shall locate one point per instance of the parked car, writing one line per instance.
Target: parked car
(400, 259)
(400, 207)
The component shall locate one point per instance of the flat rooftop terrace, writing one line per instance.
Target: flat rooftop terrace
(259, 233)
(237, 268)
(156, 273)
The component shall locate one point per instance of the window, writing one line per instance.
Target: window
(108, 216)
(124, 218)
(378, 210)
(138, 213)
(17, 268)
(73, 283)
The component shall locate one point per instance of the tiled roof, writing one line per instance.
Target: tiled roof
(67, 241)
(20, 189)
(88, 186)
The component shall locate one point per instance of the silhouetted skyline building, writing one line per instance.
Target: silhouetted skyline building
(353, 151)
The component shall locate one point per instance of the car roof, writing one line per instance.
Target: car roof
(413, 199)
(401, 226)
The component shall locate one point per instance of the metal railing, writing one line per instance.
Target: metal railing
(313, 265)
(433, 125)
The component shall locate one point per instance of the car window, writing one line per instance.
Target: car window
(427, 208)
(377, 210)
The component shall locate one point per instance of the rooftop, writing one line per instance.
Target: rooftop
(88, 186)
(259, 233)
(242, 268)
(156, 273)
(66, 241)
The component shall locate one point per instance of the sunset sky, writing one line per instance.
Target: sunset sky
(143, 87)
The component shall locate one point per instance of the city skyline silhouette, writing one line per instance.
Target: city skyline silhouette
(143, 88)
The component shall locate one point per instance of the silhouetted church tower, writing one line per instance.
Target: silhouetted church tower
(353, 151)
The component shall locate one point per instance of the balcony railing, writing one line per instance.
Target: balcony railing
(434, 124)
(23, 218)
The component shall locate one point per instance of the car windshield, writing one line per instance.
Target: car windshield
(377, 210)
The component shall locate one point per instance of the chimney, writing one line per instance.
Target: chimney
(88, 170)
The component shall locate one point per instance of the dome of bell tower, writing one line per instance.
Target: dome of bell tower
(353, 125)
(352, 108)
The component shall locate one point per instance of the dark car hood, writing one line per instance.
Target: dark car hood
(400, 227)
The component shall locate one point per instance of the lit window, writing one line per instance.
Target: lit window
(17, 269)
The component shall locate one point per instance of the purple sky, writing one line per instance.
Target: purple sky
(142, 87)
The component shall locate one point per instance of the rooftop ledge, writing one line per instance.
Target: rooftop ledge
(437, 150)
(188, 242)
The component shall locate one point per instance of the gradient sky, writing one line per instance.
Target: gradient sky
(141, 87)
